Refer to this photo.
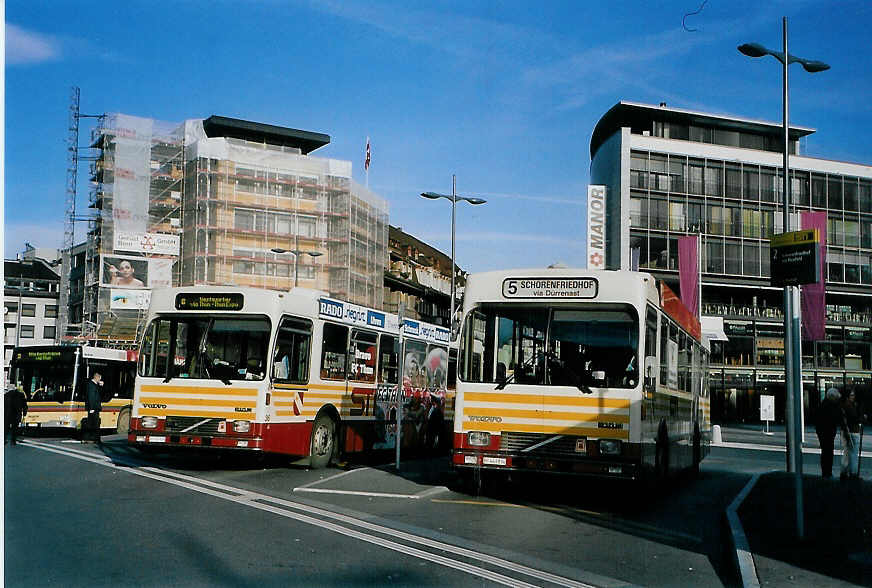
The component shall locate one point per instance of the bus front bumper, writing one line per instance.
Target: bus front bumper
(160, 439)
(602, 467)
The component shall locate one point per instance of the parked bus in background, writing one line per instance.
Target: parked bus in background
(598, 373)
(293, 373)
(53, 378)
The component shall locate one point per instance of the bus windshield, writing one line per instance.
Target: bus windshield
(203, 347)
(539, 345)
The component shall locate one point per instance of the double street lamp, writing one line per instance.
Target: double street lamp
(793, 356)
(453, 198)
(297, 253)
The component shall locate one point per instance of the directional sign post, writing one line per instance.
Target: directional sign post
(795, 258)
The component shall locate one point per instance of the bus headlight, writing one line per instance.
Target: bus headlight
(148, 422)
(478, 438)
(610, 446)
(241, 426)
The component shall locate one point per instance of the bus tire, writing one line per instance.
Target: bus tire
(661, 455)
(434, 440)
(122, 427)
(697, 450)
(323, 443)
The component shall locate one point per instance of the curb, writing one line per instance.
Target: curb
(744, 559)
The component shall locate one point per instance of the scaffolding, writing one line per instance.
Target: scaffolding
(244, 198)
(176, 205)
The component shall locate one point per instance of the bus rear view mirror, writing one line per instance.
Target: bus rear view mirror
(650, 370)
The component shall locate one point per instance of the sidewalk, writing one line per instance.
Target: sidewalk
(837, 543)
(837, 517)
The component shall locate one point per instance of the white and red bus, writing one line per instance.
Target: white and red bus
(294, 373)
(598, 373)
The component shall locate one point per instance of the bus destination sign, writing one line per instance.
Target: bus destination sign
(209, 301)
(550, 288)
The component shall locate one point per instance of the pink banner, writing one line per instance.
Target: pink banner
(813, 296)
(688, 272)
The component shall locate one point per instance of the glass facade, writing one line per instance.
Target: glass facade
(733, 198)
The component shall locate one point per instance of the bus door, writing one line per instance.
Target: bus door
(386, 398)
(361, 387)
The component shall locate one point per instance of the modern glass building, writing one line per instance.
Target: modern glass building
(671, 172)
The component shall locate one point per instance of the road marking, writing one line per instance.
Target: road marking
(309, 513)
(478, 503)
(339, 475)
(356, 493)
(780, 448)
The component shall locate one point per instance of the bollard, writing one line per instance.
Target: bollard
(716, 434)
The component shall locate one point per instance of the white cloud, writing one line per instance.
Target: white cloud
(25, 47)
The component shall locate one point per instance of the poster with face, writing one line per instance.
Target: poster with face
(124, 272)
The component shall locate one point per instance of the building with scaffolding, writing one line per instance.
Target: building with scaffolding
(218, 201)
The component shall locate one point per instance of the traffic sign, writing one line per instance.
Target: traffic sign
(795, 258)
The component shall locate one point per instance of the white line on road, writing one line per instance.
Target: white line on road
(263, 502)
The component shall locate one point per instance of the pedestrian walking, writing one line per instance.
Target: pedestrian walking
(850, 437)
(829, 420)
(15, 407)
(93, 405)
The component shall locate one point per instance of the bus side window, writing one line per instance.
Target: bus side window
(334, 350)
(363, 348)
(650, 346)
(387, 364)
(291, 357)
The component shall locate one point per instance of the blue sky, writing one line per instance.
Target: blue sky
(503, 94)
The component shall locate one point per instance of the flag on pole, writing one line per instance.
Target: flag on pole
(688, 272)
(366, 161)
(813, 296)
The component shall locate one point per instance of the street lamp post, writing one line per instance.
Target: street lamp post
(454, 198)
(297, 253)
(793, 355)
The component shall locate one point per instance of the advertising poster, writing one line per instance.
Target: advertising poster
(124, 272)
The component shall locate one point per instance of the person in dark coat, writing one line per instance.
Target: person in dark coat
(93, 405)
(15, 407)
(829, 420)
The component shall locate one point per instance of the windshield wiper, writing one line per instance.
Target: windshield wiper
(508, 379)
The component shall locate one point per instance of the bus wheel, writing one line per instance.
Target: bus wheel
(697, 450)
(661, 456)
(323, 443)
(434, 434)
(123, 425)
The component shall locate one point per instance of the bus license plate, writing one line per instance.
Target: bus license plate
(581, 445)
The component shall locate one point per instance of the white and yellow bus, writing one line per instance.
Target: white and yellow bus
(597, 373)
(53, 377)
(294, 373)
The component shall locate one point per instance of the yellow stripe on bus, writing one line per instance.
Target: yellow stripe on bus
(548, 400)
(200, 402)
(187, 390)
(549, 414)
(237, 416)
(551, 430)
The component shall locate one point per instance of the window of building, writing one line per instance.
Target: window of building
(51, 311)
(751, 184)
(734, 181)
(48, 332)
(799, 187)
(657, 253)
(818, 191)
(659, 215)
(638, 212)
(694, 217)
(835, 200)
(739, 349)
(865, 196)
(28, 310)
(677, 174)
(714, 256)
(677, 217)
(751, 259)
(27, 331)
(768, 185)
(751, 223)
(714, 178)
(852, 202)
(11, 307)
(770, 344)
(733, 258)
(866, 233)
(695, 183)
